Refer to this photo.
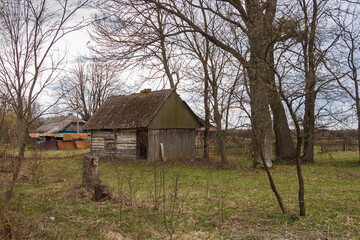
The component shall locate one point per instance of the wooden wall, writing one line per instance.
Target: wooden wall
(120, 143)
(174, 115)
(179, 144)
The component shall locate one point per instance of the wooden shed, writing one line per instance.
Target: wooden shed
(135, 126)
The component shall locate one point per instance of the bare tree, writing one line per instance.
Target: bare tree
(29, 32)
(293, 99)
(344, 62)
(313, 50)
(243, 103)
(217, 73)
(136, 37)
(87, 85)
(293, 112)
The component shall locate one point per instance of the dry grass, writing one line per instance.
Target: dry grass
(236, 203)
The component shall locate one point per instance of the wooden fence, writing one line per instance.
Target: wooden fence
(243, 150)
(337, 145)
(325, 145)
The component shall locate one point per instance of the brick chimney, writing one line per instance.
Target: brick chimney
(145, 92)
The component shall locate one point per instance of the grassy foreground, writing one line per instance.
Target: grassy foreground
(201, 202)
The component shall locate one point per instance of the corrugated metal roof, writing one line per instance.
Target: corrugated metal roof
(57, 124)
(128, 111)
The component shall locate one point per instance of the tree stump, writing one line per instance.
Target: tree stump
(90, 171)
(102, 193)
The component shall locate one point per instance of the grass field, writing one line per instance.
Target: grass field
(201, 201)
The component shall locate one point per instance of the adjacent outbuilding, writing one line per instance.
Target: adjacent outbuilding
(61, 125)
(149, 125)
(60, 133)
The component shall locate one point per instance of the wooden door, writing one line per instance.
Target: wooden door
(141, 144)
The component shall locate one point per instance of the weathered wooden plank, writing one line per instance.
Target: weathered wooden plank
(126, 137)
(132, 141)
(103, 134)
(126, 140)
(126, 144)
(118, 146)
(125, 147)
(97, 144)
(178, 144)
(174, 114)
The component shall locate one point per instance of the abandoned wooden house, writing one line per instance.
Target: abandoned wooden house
(148, 125)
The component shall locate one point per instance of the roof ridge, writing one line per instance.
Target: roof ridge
(137, 93)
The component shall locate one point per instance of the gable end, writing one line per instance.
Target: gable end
(174, 114)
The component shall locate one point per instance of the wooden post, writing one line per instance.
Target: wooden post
(162, 151)
(90, 171)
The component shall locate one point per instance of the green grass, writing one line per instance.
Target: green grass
(230, 204)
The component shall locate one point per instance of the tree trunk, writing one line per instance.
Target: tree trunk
(90, 171)
(285, 149)
(221, 137)
(267, 170)
(309, 49)
(309, 115)
(301, 193)
(22, 135)
(222, 147)
(309, 127)
(260, 113)
(358, 130)
(260, 32)
(261, 124)
(207, 120)
(3, 116)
